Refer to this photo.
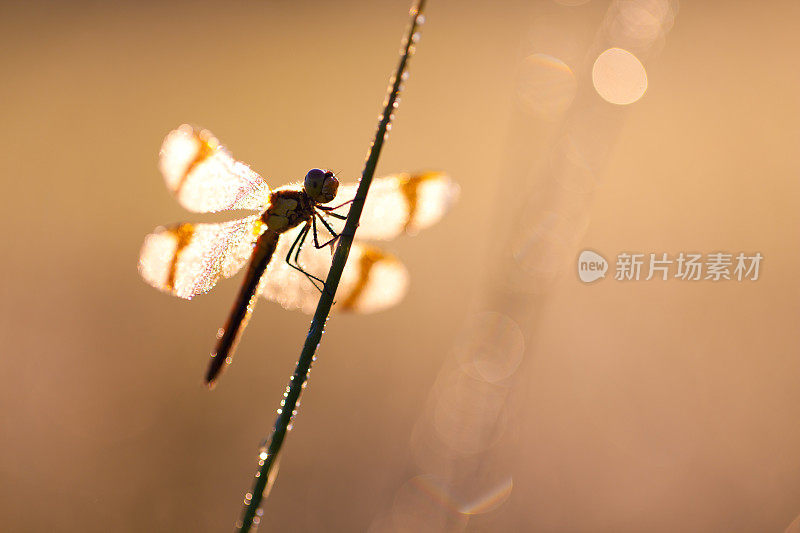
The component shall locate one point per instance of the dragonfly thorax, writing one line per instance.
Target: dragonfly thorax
(287, 209)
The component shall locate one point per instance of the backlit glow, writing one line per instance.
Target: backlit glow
(203, 175)
(213, 251)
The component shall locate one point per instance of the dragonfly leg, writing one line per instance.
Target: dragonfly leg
(296, 241)
(334, 215)
(295, 248)
(327, 226)
(333, 208)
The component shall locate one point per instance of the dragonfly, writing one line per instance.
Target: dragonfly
(283, 238)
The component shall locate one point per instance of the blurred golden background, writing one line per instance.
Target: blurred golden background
(503, 394)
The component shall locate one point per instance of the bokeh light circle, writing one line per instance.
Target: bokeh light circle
(490, 346)
(619, 77)
(546, 86)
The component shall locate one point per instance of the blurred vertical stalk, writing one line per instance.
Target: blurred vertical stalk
(463, 444)
(269, 452)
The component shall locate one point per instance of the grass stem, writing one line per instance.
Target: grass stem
(269, 453)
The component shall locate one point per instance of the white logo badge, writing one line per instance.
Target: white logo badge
(591, 266)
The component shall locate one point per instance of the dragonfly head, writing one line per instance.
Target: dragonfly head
(321, 185)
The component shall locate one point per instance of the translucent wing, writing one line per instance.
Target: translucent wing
(372, 279)
(402, 203)
(204, 177)
(188, 259)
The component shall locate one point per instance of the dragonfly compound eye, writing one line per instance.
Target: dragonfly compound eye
(313, 184)
(329, 188)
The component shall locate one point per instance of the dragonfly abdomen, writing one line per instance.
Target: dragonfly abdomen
(228, 337)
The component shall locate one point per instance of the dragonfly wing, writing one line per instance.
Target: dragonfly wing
(203, 175)
(188, 259)
(402, 203)
(371, 281)
(285, 285)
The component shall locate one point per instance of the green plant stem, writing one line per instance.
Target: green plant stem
(298, 379)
